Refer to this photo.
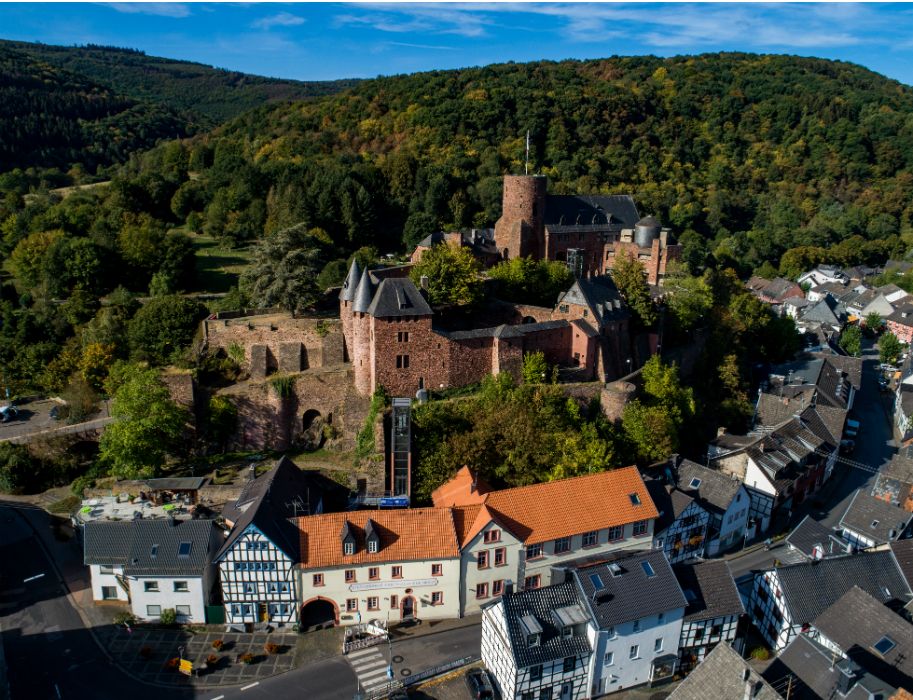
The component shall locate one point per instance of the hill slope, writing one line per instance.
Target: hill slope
(211, 92)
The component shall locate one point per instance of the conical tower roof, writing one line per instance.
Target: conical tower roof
(363, 294)
(351, 284)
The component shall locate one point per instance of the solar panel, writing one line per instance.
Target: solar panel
(184, 549)
(648, 569)
(597, 582)
(884, 645)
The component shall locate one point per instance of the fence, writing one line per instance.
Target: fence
(394, 685)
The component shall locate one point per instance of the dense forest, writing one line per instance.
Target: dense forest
(95, 106)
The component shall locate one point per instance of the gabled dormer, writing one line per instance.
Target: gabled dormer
(532, 630)
(348, 539)
(372, 538)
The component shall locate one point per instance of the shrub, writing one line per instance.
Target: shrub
(168, 617)
(760, 653)
(271, 648)
(283, 385)
(247, 658)
(125, 618)
(80, 484)
(65, 505)
(218, 644)
(212, 660)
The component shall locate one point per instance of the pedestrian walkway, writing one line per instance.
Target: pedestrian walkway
(371, 667)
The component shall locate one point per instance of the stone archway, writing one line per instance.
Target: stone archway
(312, 423)
(318, 613)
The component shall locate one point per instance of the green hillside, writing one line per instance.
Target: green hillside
(211, 92)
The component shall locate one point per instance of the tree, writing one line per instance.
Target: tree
(453, 275)
(17, 468)
(873, 322)
(163, 325)
(851, 340)
(889, 348)
(528, 281)
(221, 421)
(631, 281)
(283, 270)
(690, 299)
(663, 387)
(333, 274)
(651, 430)
(535, 368)
(147, 427)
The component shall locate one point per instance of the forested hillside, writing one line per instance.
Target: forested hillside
(208, 92)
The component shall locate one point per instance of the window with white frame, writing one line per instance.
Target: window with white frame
(181, 587)
(182, 610)
(634, 652)
(590, 538)
(151, 586)
(658, 644)
(105, 569)
(640, 528)
(534, 551)
(616, 533)
(153, 610)
(562, 544)
(609, 658)
(109, 592)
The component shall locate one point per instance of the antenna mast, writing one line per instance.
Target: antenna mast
(526, 170)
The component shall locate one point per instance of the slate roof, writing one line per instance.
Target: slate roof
(903, 315)
(579, 504)
(398, 296)
(540, 602)
(811, 587)
(431, 239)
(810, 533)
(773, 409)
(903, 556)
(721, 676)
(414, 534)
(272, 501)
(828, 311)
(850, 366)
(709, 589)
(181, 483)
(363, 294)
(574, 210)
(900, 467)
(874, 518)
(150, 547)
(631, 594)
(819, 673)
(669, 501)
(856, 622)
(599, 294)
(716, 489)
(347, 293)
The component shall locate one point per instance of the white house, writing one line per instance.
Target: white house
(784, 601)
(153, 564)
(535, 643)
(518, 535)
(724, 497)
(870, 521)
(636, 606)
(387, 565)
(824, 274)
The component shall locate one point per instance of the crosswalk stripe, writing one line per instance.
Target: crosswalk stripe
(373, 672)
(363, 668)
(362, 652)
(375, 682)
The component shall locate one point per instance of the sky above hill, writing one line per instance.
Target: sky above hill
(319, 41)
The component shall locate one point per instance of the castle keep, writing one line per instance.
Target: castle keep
(588, 232)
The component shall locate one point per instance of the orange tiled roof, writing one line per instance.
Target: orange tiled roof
(463, 489)
(463, 519)
(413, 534)
(565, 507)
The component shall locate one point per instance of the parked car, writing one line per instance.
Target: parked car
(852, 428)
(479, 684)
(8, 413)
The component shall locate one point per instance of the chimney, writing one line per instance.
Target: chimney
(423, 282)
(749, 686)
(508, 588)
(721, 431)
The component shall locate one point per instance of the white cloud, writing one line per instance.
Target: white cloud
(282, 19)
(421, 46)
(160, 9)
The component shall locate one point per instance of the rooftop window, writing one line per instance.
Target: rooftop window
(597, 582)
(648, 569)
(184, 549)
(884, 645)
(635, 499)
(695, 483)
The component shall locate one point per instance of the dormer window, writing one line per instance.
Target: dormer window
(348, 548)
(372, 538)
(372, 546)
(348, 539)
(568, 632)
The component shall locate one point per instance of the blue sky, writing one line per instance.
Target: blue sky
(335, 40)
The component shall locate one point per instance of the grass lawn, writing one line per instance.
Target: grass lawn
(218, 267)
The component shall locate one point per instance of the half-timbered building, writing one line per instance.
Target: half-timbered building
(784, 601)
(535, 643)
(681, 528)
(258, 558)
(870, 521)
(713, 613)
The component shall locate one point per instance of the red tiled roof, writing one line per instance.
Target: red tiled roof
(462, 489)
(562, 508)
(415, 534)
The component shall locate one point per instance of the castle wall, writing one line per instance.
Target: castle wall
(345, 318)
(470, 360)
(410, 340)
(554, 343)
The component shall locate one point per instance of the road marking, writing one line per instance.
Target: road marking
(32, 578)
(248, 687)
(218, 697)
(362, 652)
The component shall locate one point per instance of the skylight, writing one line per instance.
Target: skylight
(635, 499)
(695, 483)
(874, 523)
(155, 551)
(597, 582)
(884, 645)
(184, 549)
(648, 569)
(615, 569)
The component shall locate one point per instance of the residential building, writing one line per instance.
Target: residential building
(535, 643)
(894, 481)
(153, 564)
(868, 301)
(836, 378)
(713, 612)
(870, 521)
(258, 558)
(725, 498)
(795, 306)
(807, 670)
(903, 556)
(811, 540)
(893, 293)
(507, 535)
(826, 314)
(903, 401)
(680, 530)
(900, 322)
(387, 565)
(784, 601)
(775, 291)
(864, 630)
(637, 607)
(724, 675)
(824, 274)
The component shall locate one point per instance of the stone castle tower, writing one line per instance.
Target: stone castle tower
(346, 297)
(520, 231)
(362, 347)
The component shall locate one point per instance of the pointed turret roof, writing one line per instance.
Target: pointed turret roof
(351, 284)
(363, 294)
